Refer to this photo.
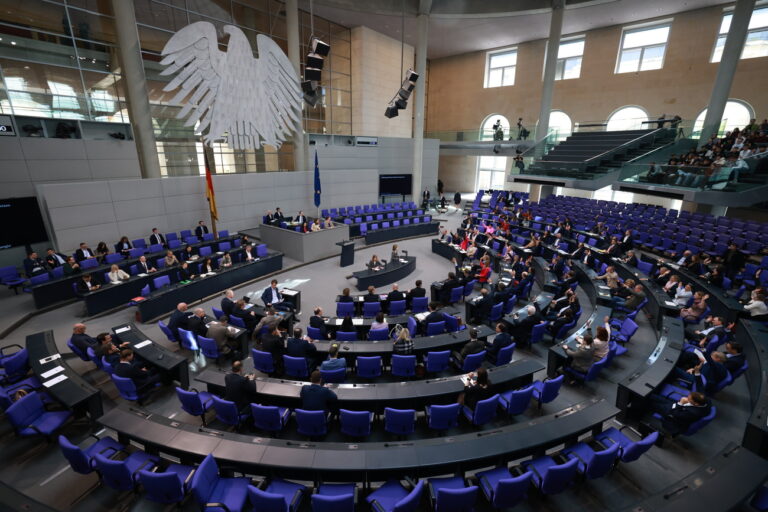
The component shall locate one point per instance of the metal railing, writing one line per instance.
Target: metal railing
(605, 155)
(682, 176)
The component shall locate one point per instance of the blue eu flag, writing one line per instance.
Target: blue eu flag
(317, 182)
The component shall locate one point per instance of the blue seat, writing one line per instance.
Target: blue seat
(355, 423)
(278, 496)
(345, 309)
(237, 321)
(269, 417)
(504, 356)
(262, 361)
(346, 335)
(334, 498)
(110, 258)
(419, 304)
(217, 313)
(399, 421)
(549, 476)
(208, 347)
(404, 366)
(435, 328)
(161, 281)
(123, 475)
(452, 323)
(485, 411)
(592, 464)
(224, 233)
(208, 487)
(413, 326)
(15, 367)
(378, 334)
(79, 353)
(496, 312)
(93, 262)
(451, 494)
(472, 362)
(169, 486)
(368, 367)
(128, 389)
(442, 417)
(371, 309)
(627, 330)
(227, 413)
(397, 307)
(591, 374)
(295, 367)
(501, 489)
(334, 376)
(537, 332)
(393, 497)
(194, 402)
(311, 423)
(436, 362)
(516, 401)
(547, 390)
(261, 251)
(134, 253)
(629, 450)
(468, 288)
(81, 460)
(205, 251)
(456, 294)
(188, 340)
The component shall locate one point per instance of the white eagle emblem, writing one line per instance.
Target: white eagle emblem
(235, 97)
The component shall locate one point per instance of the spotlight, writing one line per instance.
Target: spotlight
(309, 86)
(391, 111)
(313, 70)
(312, 74)
(411, 76)
(319, 47)
(401, 104)
(315, 61)
(311, 98)
(404, 93)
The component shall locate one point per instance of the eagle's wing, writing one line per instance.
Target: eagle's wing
(193, 52)
(281, 101)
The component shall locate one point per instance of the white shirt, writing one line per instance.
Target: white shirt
(275, 297)
(756, 308)
(59, 259)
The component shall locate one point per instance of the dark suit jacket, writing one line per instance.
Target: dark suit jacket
(237, 389)
(372, 297)
(196, 325)
(733, 363)
(53, 262)
(681, 417)
(523, 327)
(317, 398)
(298, 347)
(346, 298)
(201, 230)
(83, 341)
(227, 305)
(178, 319)
(155, 239)
(34, 267)
(132, 371)
(395, 295)
(274, 345)
(80, 255)
(266, 296)
(417, 292)
(472, 347)
(318, 323)
(82, 288)
(483, 307)
(501, 340)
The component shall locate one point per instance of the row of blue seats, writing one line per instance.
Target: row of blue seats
(365, 208)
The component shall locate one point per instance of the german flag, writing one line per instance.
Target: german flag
(209, 189)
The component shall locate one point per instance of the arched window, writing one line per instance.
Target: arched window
(487, 130)
(491, 170)
(560, 123)
(737, 114)
(627, 118)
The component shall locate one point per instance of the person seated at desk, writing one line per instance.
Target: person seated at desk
(697, 308)
(601, 342)
(676, 417)
(565, 283)
(375, 263)
(80, 339)
(345, 296)
(433, 316)
(416, 292)
(117, 275)
(227, 303)
(636, 296)
(630, 259)
(223, 334)
(226, 260)
(246, 315)
(54, 259)
(316, 397)
(483, 305)
(695, 364)
(317, 321)
(557, 306)
(206, 267)
(682, 294)
(107, 349)
(378, 322)
(477, 389)
(189, 253)
(271, 297)
(715, 277)
(270, 320)
(101, 251)
(201, 230)
(273, 343)
(156, 238)
(302, 346)
(269, 218)
(33, 265)
(501, 340)
(185, 273)
(403, 344)
(84, 252)
(734, 356)
(170, 259)
(85, 285)
(196, 323)
(71, 267)
(521, 329)
(304, 228)
(123, 247)
(238, 388)
(713, 326)
(564, 317)
(248, 253)
(130, 368)
(473, 346)
(316, 226)
(144, 267)
(178, 318)
(582, 357)
(395, 295)
(279, 215)
(448, 285)
(502, 293)
(300, 219)
(663, 276)
(526, 278)
(471, 251)
(334, 362)
(371, 296)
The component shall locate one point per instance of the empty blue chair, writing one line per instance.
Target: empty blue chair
(369, 367)
(345, 309)
(547, 390)
(485, 411)
(122, 475)
(206, 251)
(191, 240)
(208, 487)
(167, 331)
(208, 347)
(472, 362)
(442, 417)
(537, 332)
(413, 326)
(188, 340)
(436, 362)
(171, 236)
(295, 367)
(262, 361)
(270, 417)
(450, 494)
(456, 294)
(161, 281)
(627, 330)
(237, 321)
(111, 258)
(629, 450)
(134, 253)
(516, 401)
(397, 307)
(334, 498)
(346, 336)
(591, 374)
(15, 367)
(435, 328)
(468, 288)
(496, 312)
(261, 251)
(404, 366)
(207, 237)
(93, 262)
(504, 355)
(174, 244)
(186, 233)
(169, 486)
(592, 464)
(224, 233)
(334, 376)
(355, 423)
(378, 334)
(419, 304)
(81, 460)
(399, 421)
(550, 477)
(128, 390)
(501, 489)
(217, 313)
(311, 423)
(279, 496)
(371, 309)
(393, 497)
(452, 323)
(194, 402)
(227, 413)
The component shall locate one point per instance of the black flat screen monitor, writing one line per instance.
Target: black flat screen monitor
(395, 184)
(22, 222)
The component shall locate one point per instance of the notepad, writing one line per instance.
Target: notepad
(338, 321)
(50, 358)
(123, 329)
(54, 381)
(669, 303)
(143, 344)
(52, 372)
(421, 316)
(116, 282)
(357, 321)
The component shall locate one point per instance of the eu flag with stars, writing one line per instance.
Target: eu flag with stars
(317, 182)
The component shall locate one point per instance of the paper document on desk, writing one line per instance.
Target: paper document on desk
(232, 330)
(116, 282)
(403, 261)
(421, 316)
(54, 381)
(123, 329)
(338, 321)
(670, 303)
(357, 321)
(142, 275)
(48, 359)
(143, 344)
(50, 373)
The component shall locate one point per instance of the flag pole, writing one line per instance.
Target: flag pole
(209, 190)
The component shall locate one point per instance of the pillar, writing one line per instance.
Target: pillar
(294, 55)
(539, 192)
(734, 44)
(422, 28)
(129, 51)
(550, 65)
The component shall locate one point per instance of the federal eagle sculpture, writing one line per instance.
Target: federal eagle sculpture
(233, 96)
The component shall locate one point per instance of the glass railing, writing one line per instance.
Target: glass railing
(725, 179)
(683, 126)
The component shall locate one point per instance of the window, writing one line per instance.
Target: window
(490, 172)
(642, 49)
(757, 36)
(560, 123)
(488, 132)
(569, 59)
(500, 68)
(627, 118)
(735, 115)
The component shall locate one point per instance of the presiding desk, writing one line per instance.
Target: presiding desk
(172, 365)
(366, 462)
(161, 301)
(301, 246)
(392, 272)
(59, 380)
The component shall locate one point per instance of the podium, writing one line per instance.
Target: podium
(347, 253)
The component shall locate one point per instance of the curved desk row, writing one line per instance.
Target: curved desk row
(398, 232)
(556, 355)
(754, 337)
(391, 273)
(375, 397)
(359, 461)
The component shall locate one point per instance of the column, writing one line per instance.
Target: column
(422, 28)
(129, 52)
(539, 192)
(550, 64)
(294, 55)
(734, 44)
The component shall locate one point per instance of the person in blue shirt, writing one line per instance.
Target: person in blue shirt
(334, 362)
(315, 397)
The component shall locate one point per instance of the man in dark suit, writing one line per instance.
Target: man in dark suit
(178, 318)
(201, 229)
(315, 397)
(483, 305)
(501, 340)
(107, 349)
(144, 267)
(713, 326)
(678, 416)
(246, 315)
(557, 266)
(33, 265)
(371, 296)
(196, 322)
(129, 368)
(271, 297)
(301, 218)
(587, 258)
(302, 346)
(80, 339)
(318, 322)
(238, 388)
(156, 238)
(521, 329)
(83, 253)
(86, 285)
(279, 214)
(54, 259)
(627, 243)
(416, 292)
(395, 295)
(448, 285)
(228, 303)
(248, 253)
(473, 346)
(273, 343)
(502, 293)
(733, 260)
(269, 218)
(734, 356)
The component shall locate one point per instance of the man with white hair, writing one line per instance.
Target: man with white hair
(522, 328)
(80, 339)
(394, 296)
(178, 319)
(196, 323)
(228, 302)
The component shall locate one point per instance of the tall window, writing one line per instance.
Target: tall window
(735, 115)
(500, 68)
(642, 48)
(560, 123)
(757, 37)
(627, 118)
(490, 172)
(569, 59)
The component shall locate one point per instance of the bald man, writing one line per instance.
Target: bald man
(196, 322)
(395, 295)
(228, 302)
(178, 319)
(82, 340)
